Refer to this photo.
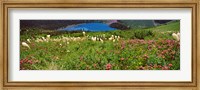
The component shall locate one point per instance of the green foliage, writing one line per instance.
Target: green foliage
(141, 34)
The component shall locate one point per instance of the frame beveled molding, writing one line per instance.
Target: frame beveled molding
(194, 4)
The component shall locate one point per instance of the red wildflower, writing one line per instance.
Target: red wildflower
(170, 65)
(149, 47)
(172, 57)
(159, 66)
(81, 58)
(155, 66)
(150, 41)
(30, 62)
(21, 62)
(163, 57)
(108, 66)
(164, 52)
(141, 68)
(146, 56)
(95, 65)
(123, 45)
(165, 68)
(159, 47)
(122, 59)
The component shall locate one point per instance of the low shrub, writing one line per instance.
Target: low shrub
(141, 34)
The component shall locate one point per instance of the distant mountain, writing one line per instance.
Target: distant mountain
(162, 21)
(134, 24)
(118, 24)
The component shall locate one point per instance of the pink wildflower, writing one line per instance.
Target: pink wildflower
(108, 66)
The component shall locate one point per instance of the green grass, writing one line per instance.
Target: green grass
(150, 49)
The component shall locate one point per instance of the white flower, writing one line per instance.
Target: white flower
(78, 38)
(97, 39)
(44, 39)
(113, 40)
(83, 33)
(101, 40)
(176, 37)
(118, 37)
(60, 44)
(93, 38)
(68, 51)
(110, 38)
(48, 36)
(65, 38)
(25, 45)
(28, 40)
(38, 40)
(57, 40)
(74, 39)
(115, 37)
(67, 42)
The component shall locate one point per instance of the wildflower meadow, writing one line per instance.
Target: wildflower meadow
(152, 48)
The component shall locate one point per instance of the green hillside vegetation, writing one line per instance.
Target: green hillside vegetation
(136, 24)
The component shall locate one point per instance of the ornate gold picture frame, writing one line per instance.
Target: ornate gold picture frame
(8, 4)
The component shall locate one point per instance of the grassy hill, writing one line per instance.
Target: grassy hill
(136, 24)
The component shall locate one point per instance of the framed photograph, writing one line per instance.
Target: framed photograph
(100, 44)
